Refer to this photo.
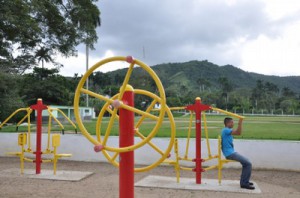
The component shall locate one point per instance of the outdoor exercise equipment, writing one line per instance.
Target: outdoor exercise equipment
(23, 137)
(199, 109)
(124, 111)
(27, 116)
(150, 96)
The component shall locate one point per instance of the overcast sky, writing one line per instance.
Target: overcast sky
(259, 36)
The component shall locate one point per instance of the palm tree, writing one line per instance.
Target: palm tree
(43, 55)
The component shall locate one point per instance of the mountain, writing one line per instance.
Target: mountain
(195, 73)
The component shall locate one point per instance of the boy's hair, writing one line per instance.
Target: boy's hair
(226, 120)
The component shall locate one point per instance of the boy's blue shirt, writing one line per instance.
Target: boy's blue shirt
(227, 142)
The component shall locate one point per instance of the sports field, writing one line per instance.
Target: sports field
(254, 127)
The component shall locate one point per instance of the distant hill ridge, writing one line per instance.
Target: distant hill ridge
(189, 74)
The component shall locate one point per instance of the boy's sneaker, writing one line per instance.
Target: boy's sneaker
(249, 187)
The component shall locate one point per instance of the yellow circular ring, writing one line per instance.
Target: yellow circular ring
(172, 133)
(162, 101)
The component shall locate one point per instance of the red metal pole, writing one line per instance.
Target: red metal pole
(126, 127)
(198, 143)
(39, 107)
(197, 108)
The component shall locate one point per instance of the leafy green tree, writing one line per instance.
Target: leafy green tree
(38, 30)
(226, 87)
(10, 99)
(288, 93)
(48, 85)
(43, 55)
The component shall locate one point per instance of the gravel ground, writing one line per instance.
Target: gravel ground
(104, 182)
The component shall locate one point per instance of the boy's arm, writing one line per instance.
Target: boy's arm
(238, 131)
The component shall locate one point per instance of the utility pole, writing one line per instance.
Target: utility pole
(87, 68)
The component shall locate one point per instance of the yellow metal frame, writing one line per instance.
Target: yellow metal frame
(56, 156)
(29, 111)
(218, 156)
(228, 113)
(25, 138)
(164, 154)
(158, 119)
(51, 116)
(22, 141)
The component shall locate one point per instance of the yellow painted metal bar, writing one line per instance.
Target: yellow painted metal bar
(143, 116)
(211, 167)
(126, 80)
(170, 162)
(186, 159)
(206, 134)
(49, 129)
(219, 160)
(22, 161)
(143, 113)
(21, 121)
(177, 108)
(110, 125)
(136, 131)
(188, 136)
(69, 120)
(227, 113)
(227, 161)
(115, 156)
(95, 95)
(11, 115)
(28, 159)
(29, 130)
(54, 144)
(176, 167)
(210, 158)
(58, 122)
(22, 154)
(186, 168)
(171, 108)
(111, 111)
(47, 160)
(47, 152)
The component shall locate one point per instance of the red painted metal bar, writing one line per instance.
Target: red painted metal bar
(197, 108)
(39, 107)
(126, 126)
(198, 145)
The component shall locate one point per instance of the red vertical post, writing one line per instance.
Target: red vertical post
(126, 127)
(197, 108)
(39, 107)
(198, 159)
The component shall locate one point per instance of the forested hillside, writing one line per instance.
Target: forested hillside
(223, 86)
(226, 87)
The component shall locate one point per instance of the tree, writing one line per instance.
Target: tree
(38, 30)
(288, 93)
(226, 87)
(42, 54)
(10, 99)
(48, 85)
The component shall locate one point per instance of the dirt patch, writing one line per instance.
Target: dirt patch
(105, 182)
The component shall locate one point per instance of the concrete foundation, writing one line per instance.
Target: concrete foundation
(264, 154)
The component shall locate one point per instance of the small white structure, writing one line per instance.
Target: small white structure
(86, 113)
(157, 106)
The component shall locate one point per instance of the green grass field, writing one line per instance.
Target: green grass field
(254, 127)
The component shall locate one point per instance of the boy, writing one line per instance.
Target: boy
(229, 152)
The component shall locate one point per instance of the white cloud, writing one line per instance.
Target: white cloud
(278, 56)
(277, 9)
(77, 64)
(256, 35)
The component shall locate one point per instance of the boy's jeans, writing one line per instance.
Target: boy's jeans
(247, 167)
